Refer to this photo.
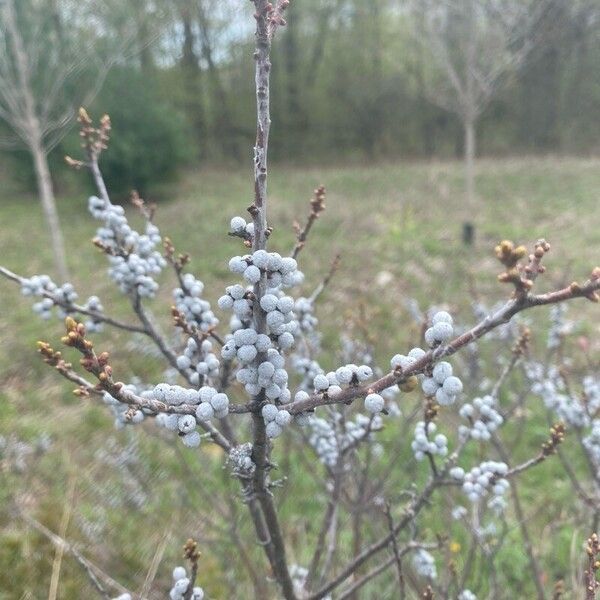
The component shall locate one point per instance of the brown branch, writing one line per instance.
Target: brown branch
(268, 18)
(501, 316)
(410, 514)
(396, 558)
(317, 206)
(77, 308)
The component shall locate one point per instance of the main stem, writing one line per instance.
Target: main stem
(274, 546)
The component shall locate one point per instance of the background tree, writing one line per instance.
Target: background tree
(42, 63)
(476, 46)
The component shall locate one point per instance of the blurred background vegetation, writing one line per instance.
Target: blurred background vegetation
(350, 82)
(355, 106)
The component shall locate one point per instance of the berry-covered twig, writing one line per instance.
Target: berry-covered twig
(588, 290)
(72, 307)
(268, 17)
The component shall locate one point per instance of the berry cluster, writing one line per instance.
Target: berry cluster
(489, 475)
(236, 298)
(400, 361)
(132, 256)
(275, 420)
(188, 301)
(442, 384)
(308, 368)
(280, 318)
(550, 386)
(93, 324)
(331, 382)
(280, 271)
(329, 439)
(121, 411)
(304, 309)
(245, 345)
(467, 595)
(270, 375)
(424, 564)
(199, 361)
(181, 583)
(483, 417)
(422, 443)
(209, 404)
(441, 329)
(239, 227)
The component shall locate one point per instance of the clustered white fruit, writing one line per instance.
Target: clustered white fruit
(199, 361)
(181, 583)
(281, 319)
(304, 308)
(188, 301)
(245, 345)
(425, 442)
(61, 297)
(236, 299)
(270, 375)
(467, 595)
(483, 418)
(134, 260)
(424, 564)
(280, 271)
(330, 383)
(91, 323)
(238, 226)
(480, 480)
(442, 384)
(275, 420)
(308, 368)
(441, 329)
(400, 361)
(121, 411)
(329, 439)
(550, 386)
(208, 401)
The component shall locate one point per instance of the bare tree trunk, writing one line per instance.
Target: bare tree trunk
(34, 141)
(470, 201)
(46, 193)
(470, 165)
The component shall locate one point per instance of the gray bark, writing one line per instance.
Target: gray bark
(46, 194)
(33, 139)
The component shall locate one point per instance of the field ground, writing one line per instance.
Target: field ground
(397, 229)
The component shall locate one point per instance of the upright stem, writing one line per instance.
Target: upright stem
(34, 140)
(470, 165)
(46, 194)
(275, 547)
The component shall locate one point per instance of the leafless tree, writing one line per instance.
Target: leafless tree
(476, 45)
(42, 55)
